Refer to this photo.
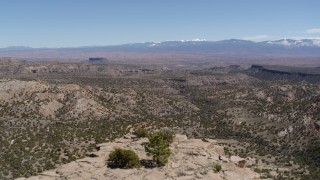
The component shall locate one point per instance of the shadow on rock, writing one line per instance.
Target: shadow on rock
(148, 163)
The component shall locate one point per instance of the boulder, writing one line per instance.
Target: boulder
(240, 162)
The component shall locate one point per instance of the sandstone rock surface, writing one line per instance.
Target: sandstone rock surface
(190, 159)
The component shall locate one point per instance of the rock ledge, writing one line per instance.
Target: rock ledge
(190, 159)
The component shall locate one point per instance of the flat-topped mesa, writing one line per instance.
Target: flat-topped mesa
(98, 60)
(190, 159)
(287, 73)
(289, 69)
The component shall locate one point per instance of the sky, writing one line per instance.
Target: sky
(74, 23)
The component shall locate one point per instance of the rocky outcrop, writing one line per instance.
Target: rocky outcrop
(240, 162)
(190, 159)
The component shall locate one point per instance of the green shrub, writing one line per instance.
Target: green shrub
(167, 135)
(217, 168)
(124, 158)
(141, 132)
(158, 147)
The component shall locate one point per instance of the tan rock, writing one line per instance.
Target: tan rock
(240, 162)
(190, 159)
(180, 138)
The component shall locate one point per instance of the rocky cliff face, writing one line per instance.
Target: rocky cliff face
(190, 159)
(292, 74)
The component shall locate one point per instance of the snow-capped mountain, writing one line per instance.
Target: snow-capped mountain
(197, 43)
(296, 43)
(173, 43)
(236, 48)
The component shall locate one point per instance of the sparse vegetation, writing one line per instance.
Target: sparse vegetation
(124, 159)
(141, 132)
(271, 121)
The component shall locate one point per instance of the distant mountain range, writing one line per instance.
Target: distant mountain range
(195, 44)
(185, 50)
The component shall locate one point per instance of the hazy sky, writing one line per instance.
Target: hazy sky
(69, 23)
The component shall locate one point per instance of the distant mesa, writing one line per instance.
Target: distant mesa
(288, 73)
(98, 60)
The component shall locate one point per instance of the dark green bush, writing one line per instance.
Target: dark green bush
(121, 158)
(141, 132)
(217, 168)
